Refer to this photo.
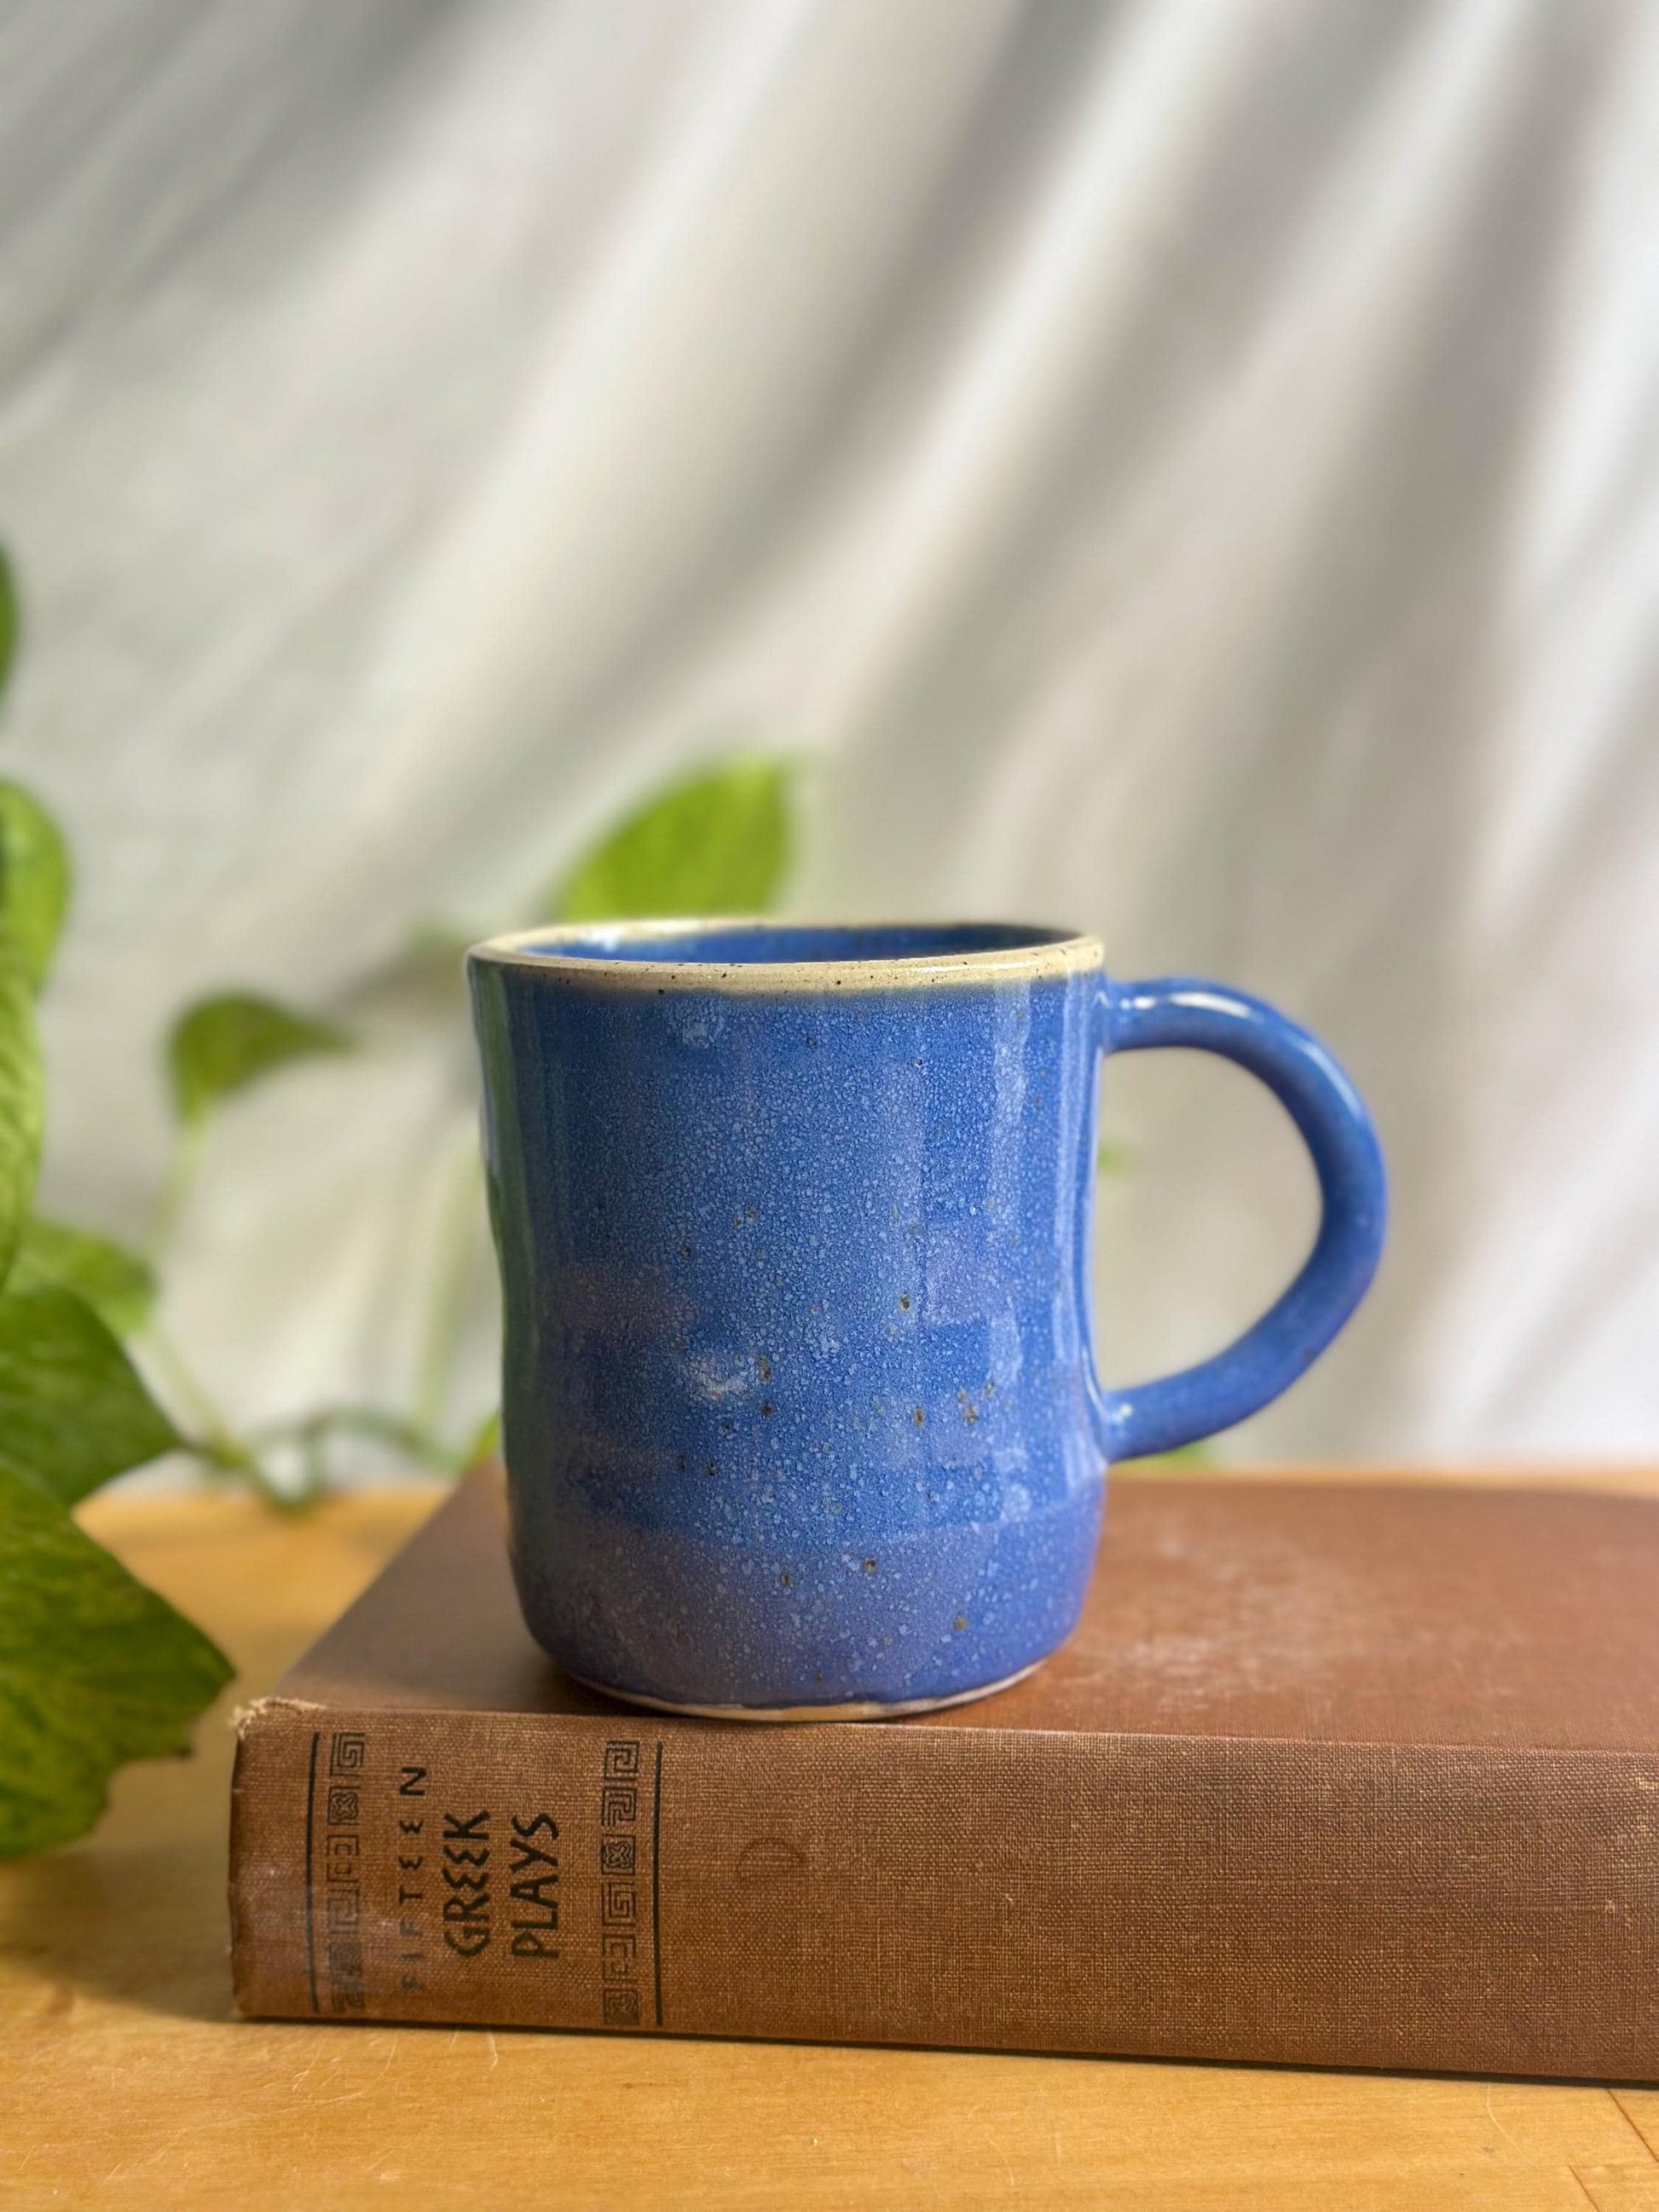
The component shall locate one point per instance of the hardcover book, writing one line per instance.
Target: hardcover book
(1329, 1774)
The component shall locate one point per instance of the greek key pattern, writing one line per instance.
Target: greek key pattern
(343, 1888)
(619, 1813)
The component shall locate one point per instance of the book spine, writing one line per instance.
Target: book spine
(1348, 1905)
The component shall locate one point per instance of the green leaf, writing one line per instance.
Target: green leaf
(1202, 1454)
(717, 843)
(115, 1283)
(73, 1412)
(223, 1044)
(486, 1442)
(95, 1670)
(22, 1100)
(34, 878)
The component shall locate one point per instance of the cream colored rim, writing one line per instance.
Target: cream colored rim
(865, 1708)
(1051, 952)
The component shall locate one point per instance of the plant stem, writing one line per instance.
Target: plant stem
(216, 1447)
(182, 1166)
(218, 1436)
(413, 1438)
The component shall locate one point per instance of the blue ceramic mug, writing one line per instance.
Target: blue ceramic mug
(800, 1412)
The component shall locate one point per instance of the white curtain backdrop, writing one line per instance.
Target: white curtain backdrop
(1187, 469)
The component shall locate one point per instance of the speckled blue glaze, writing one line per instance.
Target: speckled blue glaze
(799, 1402)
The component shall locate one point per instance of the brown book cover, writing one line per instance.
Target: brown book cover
(1343, 1776)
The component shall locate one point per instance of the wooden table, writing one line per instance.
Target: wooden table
(125, 2079)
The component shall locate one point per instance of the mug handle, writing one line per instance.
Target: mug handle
(1181, 1010)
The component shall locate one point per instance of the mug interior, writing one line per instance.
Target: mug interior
(775, 943)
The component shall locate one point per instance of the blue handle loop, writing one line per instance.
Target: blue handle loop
(1178, 1010)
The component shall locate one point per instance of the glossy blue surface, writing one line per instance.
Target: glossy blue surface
(798, 1405)
(1263, 1363)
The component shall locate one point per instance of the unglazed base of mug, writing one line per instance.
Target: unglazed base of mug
(860, 1709)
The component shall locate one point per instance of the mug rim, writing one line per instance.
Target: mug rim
(1038, 949)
